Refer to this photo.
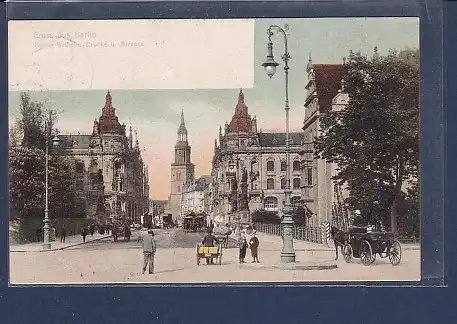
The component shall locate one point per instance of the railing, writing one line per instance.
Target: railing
(303, 233)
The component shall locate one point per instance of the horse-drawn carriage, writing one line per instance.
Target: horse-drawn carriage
(365, 245)
(209, 252)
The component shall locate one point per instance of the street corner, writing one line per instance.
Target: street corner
(293, 266)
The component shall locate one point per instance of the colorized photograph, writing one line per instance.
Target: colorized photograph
(214, 151)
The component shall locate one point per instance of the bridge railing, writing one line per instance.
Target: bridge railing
(303, 233)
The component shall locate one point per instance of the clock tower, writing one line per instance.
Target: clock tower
(182, 170)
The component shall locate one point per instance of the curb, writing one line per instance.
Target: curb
(65, 247)
(292, 267)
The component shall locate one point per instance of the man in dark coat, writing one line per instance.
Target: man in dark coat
(254, 245)
(63, 234)
(149, 250)
(209, 240)
(243, 245)
(84, 233)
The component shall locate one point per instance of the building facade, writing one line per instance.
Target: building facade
(323, 94)
(112, 180)
(252, 164)
(182, 170)
(195, 197)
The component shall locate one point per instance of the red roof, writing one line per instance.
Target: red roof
(241, 120)
(328, 81)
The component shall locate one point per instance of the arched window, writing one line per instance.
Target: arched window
(270, 203)
(283, 166)
(283, 183)
(296, 183)
(296, 166)
(270, 166)
(270, 183)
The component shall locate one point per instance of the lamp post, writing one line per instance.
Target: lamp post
(287, 223)
(46, 227)
(233, 168)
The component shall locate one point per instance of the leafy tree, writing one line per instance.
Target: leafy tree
(265, 216)
(27, 171)
(26, 181)
(374, 141)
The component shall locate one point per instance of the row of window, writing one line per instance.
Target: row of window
(271, 183)
(271, 203)
(271, 166)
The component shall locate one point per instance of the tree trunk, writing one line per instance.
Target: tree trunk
(393, 216)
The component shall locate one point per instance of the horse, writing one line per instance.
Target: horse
(340, 238)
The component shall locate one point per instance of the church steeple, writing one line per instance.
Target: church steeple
(109, 122)
(182, 130)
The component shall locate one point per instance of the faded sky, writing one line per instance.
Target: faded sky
(156, 113)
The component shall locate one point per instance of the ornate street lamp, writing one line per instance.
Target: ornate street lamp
(287, 223)
(46, 228)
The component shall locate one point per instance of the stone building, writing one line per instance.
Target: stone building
(182, 170)
(195, 197)
(112, 179)
(249, 168)
(323, 94)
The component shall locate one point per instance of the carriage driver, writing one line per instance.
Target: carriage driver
(209, 240)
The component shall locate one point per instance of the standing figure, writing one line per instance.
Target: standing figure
(84, 233)
(243, 245)
(149, 250)
(63, 234)
(254, 245)
(209, 240)
(92, 229)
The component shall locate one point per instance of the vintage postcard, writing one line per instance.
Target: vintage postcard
(214, 151)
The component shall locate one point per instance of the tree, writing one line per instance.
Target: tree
(375, 141)
(27, 169)
(265, 216)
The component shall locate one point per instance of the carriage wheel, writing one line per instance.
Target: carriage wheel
(366, 253)
(347, 253)
(373, 258)
(394, 253)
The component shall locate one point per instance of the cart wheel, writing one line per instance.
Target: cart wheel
(366, 253)
(394, 253)
(373, 258)
(347, 253)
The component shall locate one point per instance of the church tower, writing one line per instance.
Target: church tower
(182, 170)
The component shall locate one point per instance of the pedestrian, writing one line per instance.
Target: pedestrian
(84, 233)
(63, 234)
(243, 245)
(149, 250)
(254, 245)
(92, 229)
(208, 241)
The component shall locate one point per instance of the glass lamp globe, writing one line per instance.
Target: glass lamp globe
(56, 141)
(270, 70)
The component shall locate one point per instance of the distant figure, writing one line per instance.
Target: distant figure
(149, 250)
(127, 233)
(63, 234)
(39, 234)
(108, 227)
(84, 233)
(243, 245)
(254, 245)
(209, 240)
(92, 229)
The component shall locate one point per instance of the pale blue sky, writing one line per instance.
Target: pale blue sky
(156, 113)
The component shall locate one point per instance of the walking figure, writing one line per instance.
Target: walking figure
(63, 234)
(84, 233)
(254, 245)
(149, 250)
(92, 230)
(243, 245)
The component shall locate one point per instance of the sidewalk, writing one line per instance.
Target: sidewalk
(70, 241)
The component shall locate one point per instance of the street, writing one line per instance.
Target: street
(106, 261)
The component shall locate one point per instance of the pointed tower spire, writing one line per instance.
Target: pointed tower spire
(182, 130)
(309, 66)
(375, 53)
(241, 96)
(130, 137)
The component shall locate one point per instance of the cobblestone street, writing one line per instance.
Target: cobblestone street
(105, 261)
